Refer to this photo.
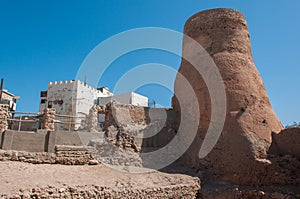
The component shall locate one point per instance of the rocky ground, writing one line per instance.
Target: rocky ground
(25, 180)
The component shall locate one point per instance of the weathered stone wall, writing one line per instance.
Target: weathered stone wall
(48, 119)
(182, 191)
(67, 155)
(287, 142)
(3, 117)
(29, 157)
(92, 121)
(73, 155)
(250, 119)
(125, 125)
(122, 115)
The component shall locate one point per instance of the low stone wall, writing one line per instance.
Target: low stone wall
(73, 155)
(182, 191)
(67, 155)
(29, 157)
(286, 142)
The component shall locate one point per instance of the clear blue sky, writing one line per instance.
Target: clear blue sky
(42, 41)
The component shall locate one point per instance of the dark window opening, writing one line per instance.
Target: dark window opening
(43, 93)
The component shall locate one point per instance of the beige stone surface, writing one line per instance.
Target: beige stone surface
(250, 119)
(3, 117)
(48, 119)
(287, 142)
(62, 180)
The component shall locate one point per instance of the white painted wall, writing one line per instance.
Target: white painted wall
(8, 98)
(139, 100)
(126, 98)
(77, 98)
(65, 91)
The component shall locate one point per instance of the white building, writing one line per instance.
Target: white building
(9, 99)
(75, 98)
(125, 98)
(71, 98)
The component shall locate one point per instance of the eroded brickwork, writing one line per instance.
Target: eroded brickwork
(48, 119)
(3, 117)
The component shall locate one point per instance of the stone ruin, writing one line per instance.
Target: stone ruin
(3, 117)
(241, 153)
(253, 148)
(48, 119)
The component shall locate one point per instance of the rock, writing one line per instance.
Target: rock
(93, 162)
(249, 119)
(61, 190)
(261, 193)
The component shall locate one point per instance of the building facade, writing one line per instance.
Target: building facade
(73, 100)
(125, 98)
(9, 99)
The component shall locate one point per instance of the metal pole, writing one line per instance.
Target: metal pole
(1, 89)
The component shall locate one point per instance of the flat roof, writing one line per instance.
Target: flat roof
(8, 93)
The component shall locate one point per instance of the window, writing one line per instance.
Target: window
(43, 93)
(50, 104)
(43, 101)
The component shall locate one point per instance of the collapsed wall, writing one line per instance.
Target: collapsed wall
(133, 127)
(240, 152)
(130, 131)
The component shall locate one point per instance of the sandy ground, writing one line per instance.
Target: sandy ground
(17, 175)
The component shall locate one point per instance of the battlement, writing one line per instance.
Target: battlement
(62, 82)
(86, 85)
(73, 82)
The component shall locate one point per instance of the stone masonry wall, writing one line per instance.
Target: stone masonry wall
(3, 117)
(93, 116)
(67, 155)
(73, 155)
(48, 119)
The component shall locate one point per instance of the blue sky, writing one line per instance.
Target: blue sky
(42, 41)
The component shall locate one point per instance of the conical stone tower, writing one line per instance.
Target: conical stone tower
(240, 152)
